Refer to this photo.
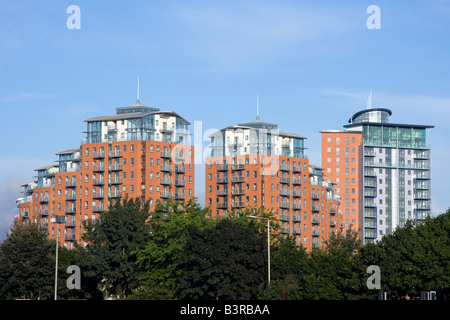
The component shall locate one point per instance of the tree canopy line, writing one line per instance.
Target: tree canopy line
(177, 252)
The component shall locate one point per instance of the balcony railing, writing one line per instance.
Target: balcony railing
(237, 204)
(285, 217)
(71, 210)
(166, 168)
(71, 197)
(238, 179)
(315, 196)
(315, 208)
(296, 181)
(115, 154)
(43, 199)
(284, 192)
(179, 182)
(165, 194)
(97, 209)
(99, 155)
(114, 194)
(69, 237)
(116, 180)
(180, 195)
(98, 195)
(238, 166)
(43, 212)
(180, 169)
(222, 205)
(285, 167)
(285, 180)
(98, 182)
(166, 181)
(284, 204)
(98, 168)
(71, 184)
(221, 193)
(70, 224)
(296, 193)
(115, 167)
(296, 169)
(237, 191)
(222, 167)
(222, 180)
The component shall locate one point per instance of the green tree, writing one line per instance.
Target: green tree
(108, 262)
(224, 261)
(27, 263)
(169, 225)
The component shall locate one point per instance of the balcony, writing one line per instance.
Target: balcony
(114, 194)
(98, 195)
(179, 183)
(285, 230)
(70, 224)
(222, 205)
(180, 169)
(284, 204)
(315, 196)
(43, 212)
(285, 180)
(238, 192)
(71, 210)
(333, 210)
(166, 168)
(315, 232)
(296, 181)
(115, 167)
(237, 204)
(71, 184)
(285, 167)
(99, 155)
(166, 181)
(237, 179)
(238, 166)
(284, 192)
(71, 197)
(222, 167)
(43, 199)
(333, 222)
(296, 169)
(297, 231)
(98, 209)
(180, 195)
(70, 237)
(166, 154)
(296, 193)
(315, 208)
(98, 182)
(285, 217)
(165, 194)
(315, 220)
(222, 193)
(222, 180)
(99, 168)
(296, 206)
(296, 218)
(115, 154)
(116, 180)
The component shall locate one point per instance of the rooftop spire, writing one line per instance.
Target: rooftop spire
(257, 106)
(369, 100)
(137, 90)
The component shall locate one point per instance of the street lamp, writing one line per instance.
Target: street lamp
(268, 244)
(56, 219)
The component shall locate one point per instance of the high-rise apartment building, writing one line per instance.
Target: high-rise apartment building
(254, 165)
(383, 170)
(140, 151)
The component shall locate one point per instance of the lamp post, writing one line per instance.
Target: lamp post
(56, 219)
(268, 244)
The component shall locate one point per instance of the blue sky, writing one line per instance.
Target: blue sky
(312, 64)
